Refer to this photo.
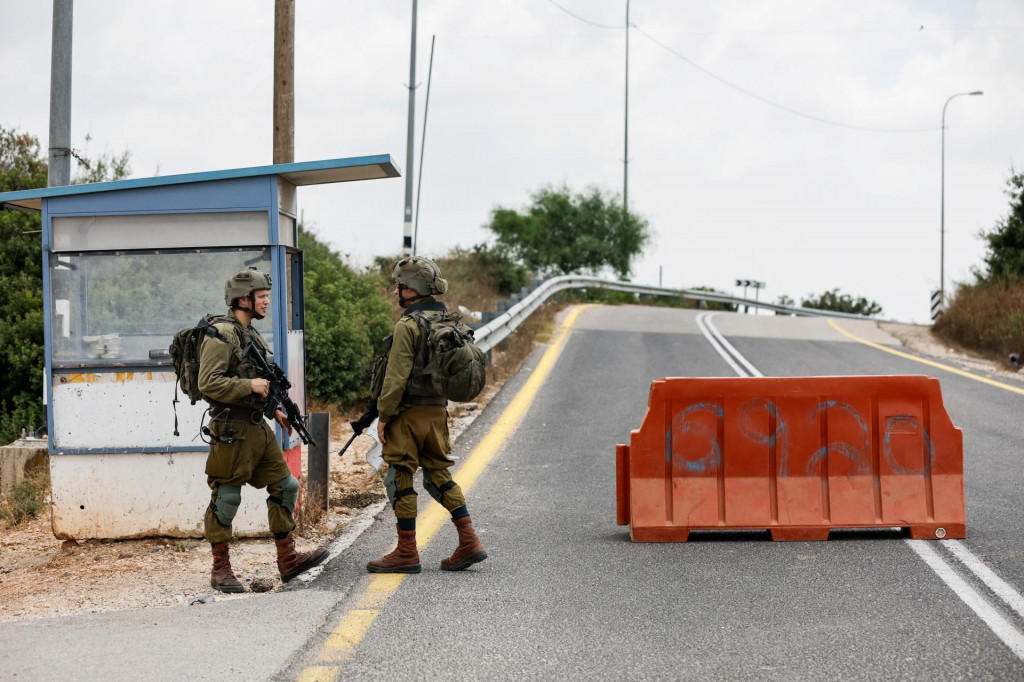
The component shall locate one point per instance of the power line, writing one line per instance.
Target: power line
(585, 21)
(742, 90)
(771, 103)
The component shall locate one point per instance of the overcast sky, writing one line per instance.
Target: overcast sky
(734, 184)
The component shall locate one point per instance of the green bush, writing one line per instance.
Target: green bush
(347, 318)
(480, 276)
(841, 303)
(986, 317)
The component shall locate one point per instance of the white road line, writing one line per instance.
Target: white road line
(728, 346)
(1002, 589)
(1006, 631)
(702, 325)
(1002, 628)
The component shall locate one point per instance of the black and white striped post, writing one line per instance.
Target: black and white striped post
(937, 305)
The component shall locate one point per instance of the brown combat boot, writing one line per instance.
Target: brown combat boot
(291, 563)
(222, 577)
(469, 551)
(404, 559)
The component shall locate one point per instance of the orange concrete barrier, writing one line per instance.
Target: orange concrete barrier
(797, 456)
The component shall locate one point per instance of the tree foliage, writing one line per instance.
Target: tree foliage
(565, 232)
(1004, 260)
(21, 289)
(841, 303)
(347, 318)
(23, 166)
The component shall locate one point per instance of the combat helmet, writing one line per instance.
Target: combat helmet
(243, 283)
(420, 274)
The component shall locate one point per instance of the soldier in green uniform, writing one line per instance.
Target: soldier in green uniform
(243, 446)
(413, 428)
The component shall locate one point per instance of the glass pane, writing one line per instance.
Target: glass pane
(124, 308)
(286, 230)
(158, 231)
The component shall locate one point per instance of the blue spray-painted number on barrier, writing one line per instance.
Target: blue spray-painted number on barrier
(893, 425)
(712, 460)
(857, 453)
(778, 439)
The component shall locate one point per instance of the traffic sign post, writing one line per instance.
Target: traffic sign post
(750, 283)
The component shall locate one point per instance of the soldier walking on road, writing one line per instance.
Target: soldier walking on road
(243, 446)
(413, 426)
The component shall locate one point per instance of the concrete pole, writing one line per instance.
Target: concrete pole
(407, 230)
(284, 81)
(59, 166)
(625, 153)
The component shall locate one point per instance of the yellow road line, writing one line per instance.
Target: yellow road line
(484, 452)
(377, 592)
(351, 628)
(357, 621)
(319, 673)
(930, 363)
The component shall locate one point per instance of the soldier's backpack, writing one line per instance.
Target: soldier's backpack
(184, 352)
(456, 366)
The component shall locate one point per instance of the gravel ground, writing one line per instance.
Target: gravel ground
(43, 577)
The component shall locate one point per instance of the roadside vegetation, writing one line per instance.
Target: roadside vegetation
(26, 498)
(986, 316)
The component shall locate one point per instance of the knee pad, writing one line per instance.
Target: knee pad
(289, 493)
(229, 497)
(436, 491)
(393, 491)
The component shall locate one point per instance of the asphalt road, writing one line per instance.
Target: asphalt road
(564, 594)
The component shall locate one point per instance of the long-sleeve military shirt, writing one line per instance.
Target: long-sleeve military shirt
(219, 378)
(404, 345)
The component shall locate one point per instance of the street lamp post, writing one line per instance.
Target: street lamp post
(942, 210)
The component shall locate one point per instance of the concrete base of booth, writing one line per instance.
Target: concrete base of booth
(121, 496)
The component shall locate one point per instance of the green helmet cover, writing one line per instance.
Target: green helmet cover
(421, 274)
(243, 283)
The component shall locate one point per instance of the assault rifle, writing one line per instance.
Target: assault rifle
(278, 395)
(361, 424)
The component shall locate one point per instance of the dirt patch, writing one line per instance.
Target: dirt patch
(921, 340)
(43, 577)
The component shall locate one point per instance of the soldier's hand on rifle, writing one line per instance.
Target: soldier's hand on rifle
(380, 432)
(260, 387)
(281, 418)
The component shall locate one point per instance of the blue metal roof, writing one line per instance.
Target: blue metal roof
(304, 173)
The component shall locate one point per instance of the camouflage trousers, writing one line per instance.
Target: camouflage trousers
(418, 439)
(255, 457)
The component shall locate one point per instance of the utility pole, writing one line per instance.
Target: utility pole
(407, 229)
(58, 171)
(625, 153)
(284, 81)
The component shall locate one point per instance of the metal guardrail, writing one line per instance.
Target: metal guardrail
(515, 311)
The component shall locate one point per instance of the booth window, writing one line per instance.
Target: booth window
(111, 308)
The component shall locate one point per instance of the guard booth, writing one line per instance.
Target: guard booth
(125, 265)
